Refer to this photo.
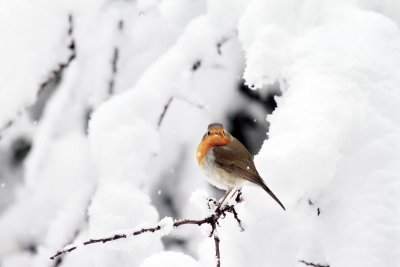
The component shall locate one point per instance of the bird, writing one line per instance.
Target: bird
(227, 163)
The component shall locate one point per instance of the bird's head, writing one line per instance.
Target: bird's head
(215, 136)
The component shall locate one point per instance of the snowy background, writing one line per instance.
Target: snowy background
(102, 105)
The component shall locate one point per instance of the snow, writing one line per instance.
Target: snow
(200, 198)
(170, 259)
(34, 222)
(329, 137)
(114, 139)
(166, 224)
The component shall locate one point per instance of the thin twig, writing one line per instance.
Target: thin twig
(220, 43)
(57, 72)
(78, 230)
(190, 102)
(105, 240)
(5, 126)
(313, 264)
(114, 60)
(166, 106)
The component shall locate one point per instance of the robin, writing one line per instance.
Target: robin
(227, 163)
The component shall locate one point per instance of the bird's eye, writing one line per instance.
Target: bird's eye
(208, 133)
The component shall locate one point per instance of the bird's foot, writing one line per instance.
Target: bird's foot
(213, 202)
(239, 197)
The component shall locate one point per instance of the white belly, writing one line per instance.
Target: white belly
(219, 177)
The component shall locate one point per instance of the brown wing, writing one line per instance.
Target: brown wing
(235, 158)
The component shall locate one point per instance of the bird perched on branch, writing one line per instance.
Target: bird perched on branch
(227, 163)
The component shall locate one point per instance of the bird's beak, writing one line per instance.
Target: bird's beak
(220, 134)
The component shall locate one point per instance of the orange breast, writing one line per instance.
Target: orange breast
(208, 142)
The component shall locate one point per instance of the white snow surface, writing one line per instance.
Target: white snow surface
(170, 259)
(166, 224)
(117, 136)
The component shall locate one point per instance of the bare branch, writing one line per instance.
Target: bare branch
(313, 264)
(5, 126)
(160, 120)
(105, 240)
(57, 72)
(212, 220)
(114, 60)
(220, 43)
(191, 102)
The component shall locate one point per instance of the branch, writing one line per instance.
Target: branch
(114, 60)
(220, 43)
(78, 229)
(56, 74)
(104, 240)
(5, 126)
(212, 220)
(313, 264)
(161, 118)
(190, 102)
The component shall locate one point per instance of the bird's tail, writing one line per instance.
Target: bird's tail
(265, 187)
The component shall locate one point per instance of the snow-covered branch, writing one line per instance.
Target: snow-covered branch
(57, 72)
(166, 225)
(114, 60)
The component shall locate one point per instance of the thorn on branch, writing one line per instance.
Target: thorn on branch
(313, 264)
